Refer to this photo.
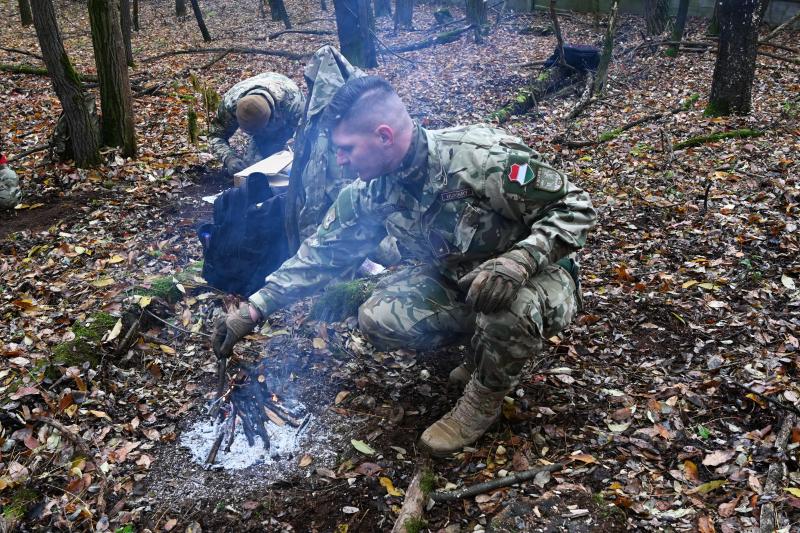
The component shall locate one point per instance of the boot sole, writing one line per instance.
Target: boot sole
(424, 448)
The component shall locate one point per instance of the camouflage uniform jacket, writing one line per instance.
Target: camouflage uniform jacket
(452, 205)
(286, 102)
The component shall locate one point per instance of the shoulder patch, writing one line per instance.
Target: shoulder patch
(548, 179)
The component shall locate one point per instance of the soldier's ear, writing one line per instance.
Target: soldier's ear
(385, 134)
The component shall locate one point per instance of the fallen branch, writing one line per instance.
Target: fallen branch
(29, 151)
(216, 58)
(74, 438)
(38, 71)
(775, 474)
(23, 52)
(305, 32)
(442, 38)
(232, 50)
(779, 29)
(586, 97)
(613, 134)
(480, 488)
(769, 399)
(413, 505)
(711, 137)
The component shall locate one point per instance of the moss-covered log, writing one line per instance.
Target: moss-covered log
(712, 137)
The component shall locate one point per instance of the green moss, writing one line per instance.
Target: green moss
(672, 51)
(69, 70)
(21, 499)
(164, 287)
(702, 139)
(414, 525)
(193, 128)
(717, 108)
(694, 97)
(84, 347)
(341, 300)
(612, 134)
(427, 482)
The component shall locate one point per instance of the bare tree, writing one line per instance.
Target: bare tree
(135, 15)
(608, 47)
(112, 71)
(180, 8)
(476, 12)
(25, 15)
(84, 137)
(383, 8)
(125, 24)
(678, 28)
(732, 85)
(656, 14)
(403, 14)
(200, 22)
(278, 9)
(355, 25)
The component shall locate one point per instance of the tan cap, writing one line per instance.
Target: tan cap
(252, 113)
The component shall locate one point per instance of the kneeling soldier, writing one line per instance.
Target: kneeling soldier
(493, 227)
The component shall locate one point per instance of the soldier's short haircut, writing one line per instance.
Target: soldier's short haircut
(356, 98)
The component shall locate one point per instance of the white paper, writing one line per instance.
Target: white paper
(274, 164)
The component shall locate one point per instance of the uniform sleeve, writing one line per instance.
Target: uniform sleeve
(558, 212)
(349, 231)
(223, 126)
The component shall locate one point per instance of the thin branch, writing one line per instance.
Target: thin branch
(305, 32)
(23, 52)
(232, 50)
(29, 151)
(480, 488)
(782, 27)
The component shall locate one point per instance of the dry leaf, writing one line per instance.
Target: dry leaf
(718, 457)
(305, 461)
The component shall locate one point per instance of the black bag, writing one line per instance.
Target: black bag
(247, 241)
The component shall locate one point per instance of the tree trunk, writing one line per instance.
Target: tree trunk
(125, 24)
(25, 15)
(403, 14)
(180, 8)
(278, 9)
(731, 88)
(383, 8)
(84, 137)
(608, 47)
(322, 5)
(115, 88)
(476, 12)
(656, 14)
(557, 29)
(135, 15)
(677, 29)
(355, 25)
(712, 30)
(200, 22)
(596, 14)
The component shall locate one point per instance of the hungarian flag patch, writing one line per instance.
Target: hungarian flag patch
(522, 174)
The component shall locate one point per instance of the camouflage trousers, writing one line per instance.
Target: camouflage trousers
(421, 309)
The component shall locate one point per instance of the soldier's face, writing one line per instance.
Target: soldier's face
(365, 152)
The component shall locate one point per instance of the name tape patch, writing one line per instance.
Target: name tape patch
(456, 194)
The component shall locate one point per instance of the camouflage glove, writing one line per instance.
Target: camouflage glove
(230, 329)
(493, 285)
(234, 164)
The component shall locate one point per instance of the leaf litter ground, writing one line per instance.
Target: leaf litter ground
(690, 285)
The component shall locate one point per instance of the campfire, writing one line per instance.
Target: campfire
(249, 399)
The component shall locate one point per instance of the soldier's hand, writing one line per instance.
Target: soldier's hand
(493, 285)
(234, 165)
(230, 329)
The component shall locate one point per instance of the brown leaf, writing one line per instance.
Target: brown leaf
(726, 510)
(368, 469)
(519, 462)
(718, 457)
(690, 471)
(705, 524)
(305, 461)
(24, 391)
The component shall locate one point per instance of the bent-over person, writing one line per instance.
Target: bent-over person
(267, 107)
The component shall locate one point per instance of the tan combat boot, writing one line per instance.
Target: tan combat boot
(475, 411)
(459, 376)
